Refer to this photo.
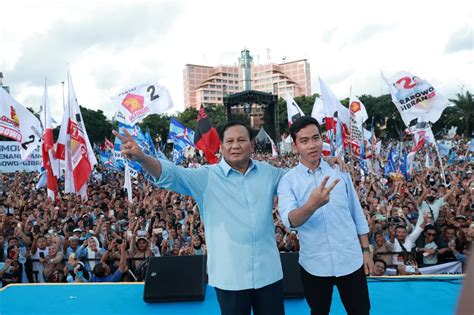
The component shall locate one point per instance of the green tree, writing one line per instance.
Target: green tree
(159, 125)
(304, 102)
(188, 117)
(387, 119)
(97, 125)
(460, 115)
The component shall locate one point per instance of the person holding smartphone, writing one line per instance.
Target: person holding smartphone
(39, 250)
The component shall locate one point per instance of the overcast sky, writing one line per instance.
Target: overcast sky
(113, 45)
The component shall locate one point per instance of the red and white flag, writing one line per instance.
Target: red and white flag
(108, 144)
(74, 147)
(49, 161)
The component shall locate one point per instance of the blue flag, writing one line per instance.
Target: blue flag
(106, 159)
(443, 149)
(139, 137)
(452, 157)
(402, 162)
(390, 167)
(152, 149)
(182, 137)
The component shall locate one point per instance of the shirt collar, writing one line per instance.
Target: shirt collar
(322, 166)
(227, 168)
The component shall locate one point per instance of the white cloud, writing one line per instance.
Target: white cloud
(110, 45)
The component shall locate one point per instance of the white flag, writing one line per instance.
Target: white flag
(18, 123)
(332, 104)
(127, 183)
(140, 101)
(415, 98)
(293, 110)
(274, 147)
(357, 111)
(318, 111)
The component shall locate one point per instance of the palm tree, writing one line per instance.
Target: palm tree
(464, 111)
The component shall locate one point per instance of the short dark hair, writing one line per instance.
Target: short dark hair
(401, 227)
(430, 227)
(99, 270)
(233, 123)
(302, 122)
(381, 261)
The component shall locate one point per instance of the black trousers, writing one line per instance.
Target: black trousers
(352, 289)
(264, 301)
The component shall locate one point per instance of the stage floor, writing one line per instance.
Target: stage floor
(394, 295)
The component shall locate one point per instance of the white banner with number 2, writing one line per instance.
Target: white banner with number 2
(140, 101)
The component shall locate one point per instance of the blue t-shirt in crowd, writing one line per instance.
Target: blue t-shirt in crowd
(110, 278)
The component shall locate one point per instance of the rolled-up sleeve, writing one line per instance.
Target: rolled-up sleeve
(357, 212)
(286, 200)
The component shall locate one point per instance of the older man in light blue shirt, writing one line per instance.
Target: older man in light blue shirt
(235, 198)
(330, 222)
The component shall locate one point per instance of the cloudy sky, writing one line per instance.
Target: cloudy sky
(112, 45)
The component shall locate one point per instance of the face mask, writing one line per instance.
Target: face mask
(430, 198)
(197, 247)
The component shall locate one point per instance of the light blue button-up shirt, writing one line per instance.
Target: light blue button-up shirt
(329, 238)
(237, 213)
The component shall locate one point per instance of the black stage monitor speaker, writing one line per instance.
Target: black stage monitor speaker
(175, 278)
(292, 285)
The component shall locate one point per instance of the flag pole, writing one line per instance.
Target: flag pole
(440, 162)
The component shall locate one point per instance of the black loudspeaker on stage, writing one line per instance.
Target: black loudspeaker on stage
(292, 285)
(175, 278)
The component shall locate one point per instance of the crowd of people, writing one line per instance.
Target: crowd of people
(419, 220)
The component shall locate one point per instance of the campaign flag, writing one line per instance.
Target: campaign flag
(155, 152)
(452, 157)
(471, 145)
(403, 164)
(82, 156)
(443, 149)
(182, 138)
(49, 161)
(206, 138)
(140, 101)
(139, 138)
(415, 98)
(18, 123)
(390, 166)
(293, 110)
(357, 111)
(76, 148)
(106, 159)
